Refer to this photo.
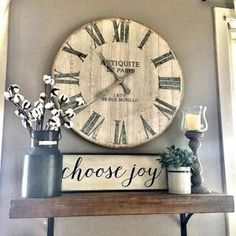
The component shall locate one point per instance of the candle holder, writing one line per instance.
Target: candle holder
(194, 124)
(196, 178)
(194, 119)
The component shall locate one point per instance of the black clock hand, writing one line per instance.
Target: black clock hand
(103, 92)
(109, 66)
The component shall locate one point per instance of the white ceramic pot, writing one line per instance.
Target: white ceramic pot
(179, 180)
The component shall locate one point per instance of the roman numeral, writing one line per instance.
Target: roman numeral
(120, 133)
(121, 31)
(147, 128)
(93, 125)
(172, 83)
(165, 108)
(72, 51)
(95, 34)
(162, 59)
(71, 77)
(145, 39)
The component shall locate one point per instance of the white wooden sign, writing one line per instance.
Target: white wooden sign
(86, 172)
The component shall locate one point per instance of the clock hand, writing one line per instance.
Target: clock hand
(103, 92)
(109, 66)
(108, 89)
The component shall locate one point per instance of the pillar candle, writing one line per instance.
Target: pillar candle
(192, 122)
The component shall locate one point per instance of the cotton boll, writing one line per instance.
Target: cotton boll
(49, 105)
(56, 112)
(64, 99)
(7, 95)
(48, 79)
(38, 104)
(20, 114)
(36, 113)
(54, 92)
(31, 116)
(70, 113)
(24, 123)
(54, 128)
(16, 99)
(26, 105)
(55, 121)
(42, 97)
(27, 124)
(68, 124)
(14, 88)
(80, 101)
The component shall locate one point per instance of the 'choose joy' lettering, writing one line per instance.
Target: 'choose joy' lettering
(126, 176)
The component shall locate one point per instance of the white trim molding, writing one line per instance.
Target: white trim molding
(4, 18)
(227, 95)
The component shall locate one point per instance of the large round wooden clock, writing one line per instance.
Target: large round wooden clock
(128, 77)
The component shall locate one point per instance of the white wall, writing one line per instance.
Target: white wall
(37, 30)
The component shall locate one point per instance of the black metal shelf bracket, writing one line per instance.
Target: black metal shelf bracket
(50, 229)
(184, 218)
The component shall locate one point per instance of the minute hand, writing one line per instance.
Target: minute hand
(109, 66)
(104, 92)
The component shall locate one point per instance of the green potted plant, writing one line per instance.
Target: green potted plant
(178, 162)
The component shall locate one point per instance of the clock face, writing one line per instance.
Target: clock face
(128, 77)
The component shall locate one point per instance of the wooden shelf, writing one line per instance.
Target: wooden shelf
(119, 203)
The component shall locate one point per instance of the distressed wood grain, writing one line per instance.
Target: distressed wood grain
(120, 203)
(134, 111)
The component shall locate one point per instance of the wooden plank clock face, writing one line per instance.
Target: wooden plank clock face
(128, 77)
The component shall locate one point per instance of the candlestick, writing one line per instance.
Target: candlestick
(196, 179)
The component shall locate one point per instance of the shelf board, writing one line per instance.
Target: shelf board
(119, 203)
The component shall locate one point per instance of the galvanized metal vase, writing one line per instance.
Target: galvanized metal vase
(42, 172)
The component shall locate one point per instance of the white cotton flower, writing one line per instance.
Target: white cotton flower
(18, 98)
(36, 113)
(57, 121)
(49, 105)
(42, 97)
(70, 113)
(48, 79)
(54, 92)
(54, 128)
(20, 114)
(31, 117)
(26, 105)
(64, 99)
(38, 104)
(41, 110)
(54, 122)
(56, 112)
(68, 124)
(14, 88)
(26, 123)
(80, 101)
(7, 95)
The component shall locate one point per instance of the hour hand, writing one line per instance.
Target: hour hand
(103, 92)
(109, 66)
